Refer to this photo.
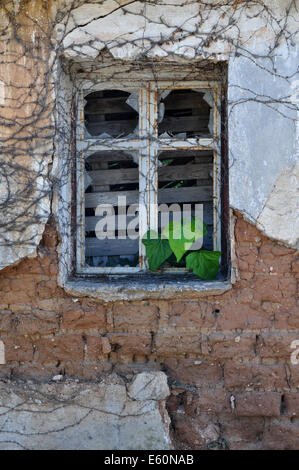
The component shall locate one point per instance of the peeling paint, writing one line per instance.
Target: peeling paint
(279, 218)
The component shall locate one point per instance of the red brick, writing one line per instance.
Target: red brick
(281, 435)
(257, 404)
(193, 372)
(295, 265)
(292, 371)
(130, 343)
(279, 250)
(239, 431)
(135, 317)
(50, 239)
(240, 376)
(5, 321)
(97, 348)
(231, 346)
(18, 349)
(242, 316)
(60, 348)
(245, 232)
(36, 323)
(248, 254)
(246, 295)
(289, 288)
(189, 433)
(286, 318)
(276, 345)
(21, 296)
(268, 289)
(77, 318)
(172, 344)
(291, 403)
(46, 289)
(213, 401)
(188, 315)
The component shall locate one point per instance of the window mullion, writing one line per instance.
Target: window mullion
(217, 170)
(153, 157)
(148, 215)
(80, 219)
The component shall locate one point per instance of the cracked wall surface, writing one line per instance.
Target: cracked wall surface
(107, 415)
(279, 217)
(227, 356)
(259, 41)
(27, 132)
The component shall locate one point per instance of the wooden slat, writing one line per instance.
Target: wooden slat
(183, 124)
(204, 156)
(194, 194)
(118, 176)
(113, 128)
(207, 213)
(185, 172)
(167, 173)
(108, 106)
(109, 156)
(186, 101)
(107, 247)
(95, 247)
(100, 165)
(94, 199)
(91, 221)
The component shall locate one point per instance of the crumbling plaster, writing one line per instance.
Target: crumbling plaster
(85, 416)
(262, 90)
(263, 144)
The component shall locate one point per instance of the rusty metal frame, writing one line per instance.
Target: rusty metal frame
(149, 145)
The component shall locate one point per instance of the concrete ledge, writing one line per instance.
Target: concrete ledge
(144, 287)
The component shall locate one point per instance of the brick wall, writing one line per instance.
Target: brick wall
(227, 357)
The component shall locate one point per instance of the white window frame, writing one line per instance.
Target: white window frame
(149, 145)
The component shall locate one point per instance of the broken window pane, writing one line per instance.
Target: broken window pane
(111, 113)
(184, 114)
(111, 186)
(186, 177)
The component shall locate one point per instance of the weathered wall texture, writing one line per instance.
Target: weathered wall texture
(27, 130)
(259, 41)
(108, 415)
(227, 357)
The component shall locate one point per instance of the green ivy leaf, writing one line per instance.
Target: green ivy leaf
(181, 237)
(193, 231)
(174, 232)
(204, 263)
(157, 249)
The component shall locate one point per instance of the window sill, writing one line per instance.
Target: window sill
(117, 288)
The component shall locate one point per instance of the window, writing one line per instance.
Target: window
(142, 146)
